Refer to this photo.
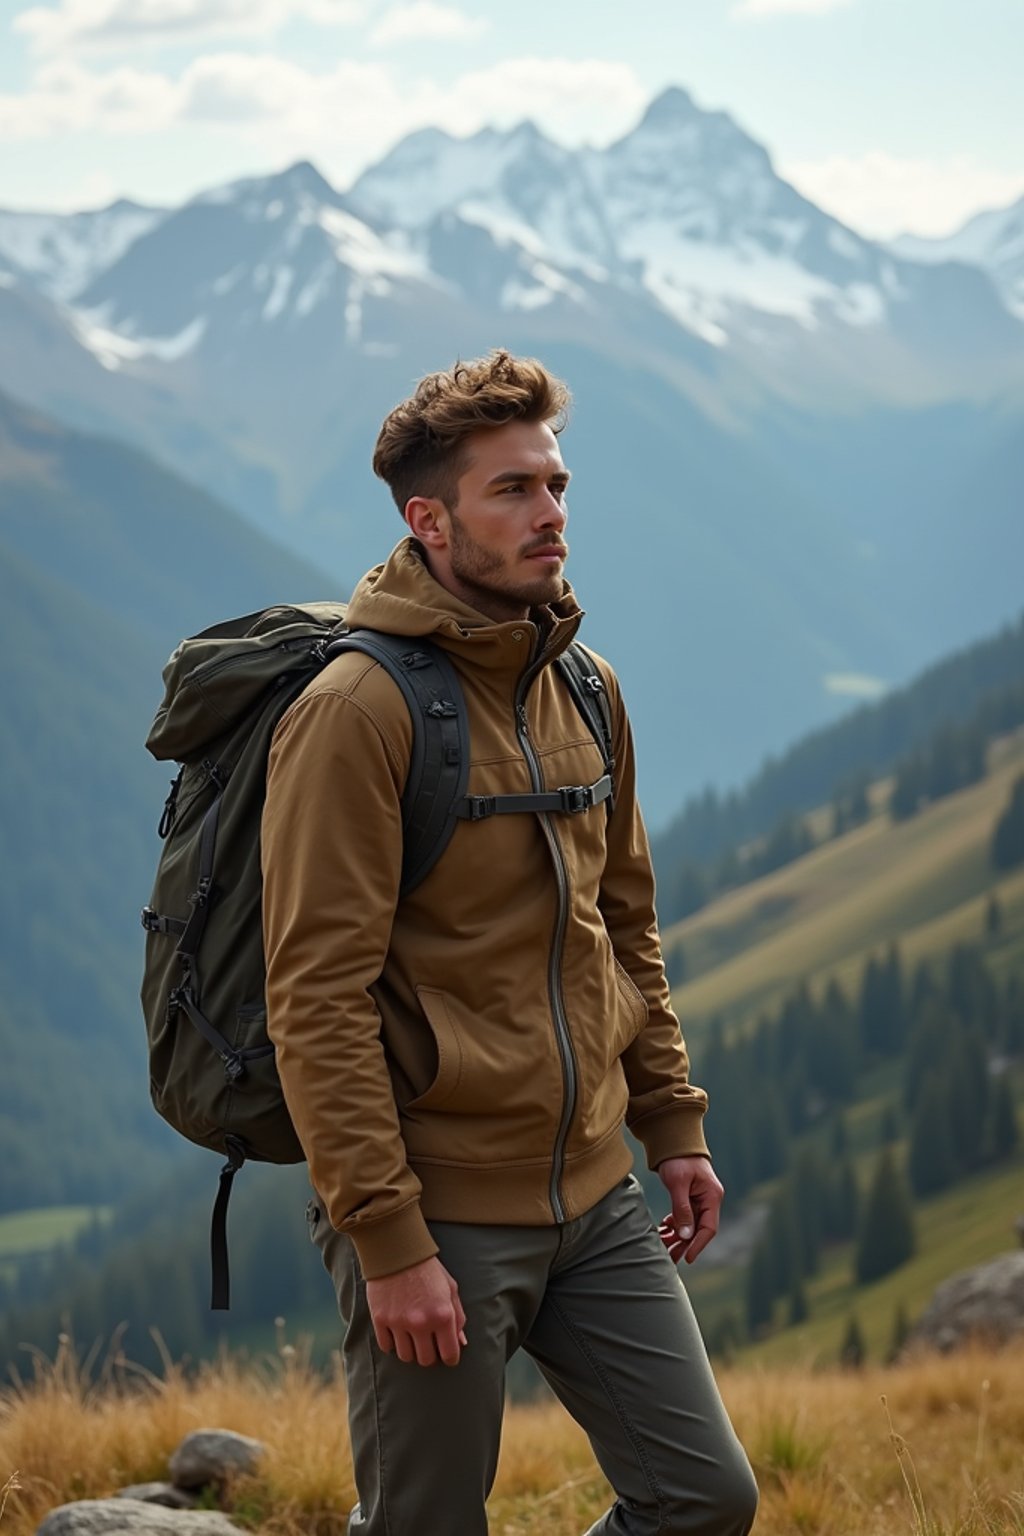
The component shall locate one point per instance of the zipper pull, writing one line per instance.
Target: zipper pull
(524, 724)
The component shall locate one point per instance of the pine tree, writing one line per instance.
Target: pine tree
(886, 1238)
(893, 1005)
(899, 1336)
(1004, 1134)
(931, 1161)
(783, 1236)
(809, 1193)
(852, 1351)
(993, 916)
(1008, 837)
(760, 1295)
(967, 1095)
(799, 1311)
(909, 788)
(888, 1126)
(841, 1215)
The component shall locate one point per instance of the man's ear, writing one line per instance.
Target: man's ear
(427, 517)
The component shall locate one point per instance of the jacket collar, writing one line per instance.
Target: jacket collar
(401, 597)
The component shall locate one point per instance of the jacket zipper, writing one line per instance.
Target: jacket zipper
(555, 994)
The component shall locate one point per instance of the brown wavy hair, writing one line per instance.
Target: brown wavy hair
(421, 448)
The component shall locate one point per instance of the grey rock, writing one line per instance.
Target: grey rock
(985, 1302)
(159, 1493)
(132, 1517)
(213, 1456)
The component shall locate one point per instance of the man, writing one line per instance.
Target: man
(459, 1061)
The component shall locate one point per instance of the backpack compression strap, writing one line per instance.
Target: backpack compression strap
(586, 685)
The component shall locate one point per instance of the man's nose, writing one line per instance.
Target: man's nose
(553, 511)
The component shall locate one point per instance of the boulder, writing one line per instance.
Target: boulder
(132, 1517)
(984, 1302)
(213, 1456)
(159, 1493)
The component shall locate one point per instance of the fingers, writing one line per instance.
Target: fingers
(683, 1239)
(705, 1232)
(425, 1335)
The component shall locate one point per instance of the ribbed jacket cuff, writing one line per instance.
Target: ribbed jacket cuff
(393, 1243)
(677, 1131)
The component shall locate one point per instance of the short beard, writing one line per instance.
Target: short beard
(472, 566)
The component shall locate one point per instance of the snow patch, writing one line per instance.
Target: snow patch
(273, 210)
(7, 280)
(65, 252)
(359, 248)
(317, 288)
(283, 279)
(112, 348)
(854, 685)
(692, 279)
(228, 280)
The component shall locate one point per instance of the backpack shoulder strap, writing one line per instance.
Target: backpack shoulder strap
(439, 766)
(584, 681)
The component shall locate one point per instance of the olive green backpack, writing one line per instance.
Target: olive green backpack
(211, 1064)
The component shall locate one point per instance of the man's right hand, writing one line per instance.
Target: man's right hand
(417, 1313)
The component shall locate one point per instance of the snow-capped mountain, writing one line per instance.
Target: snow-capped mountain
(62, 253)
(811, 439)
(686, 208)
(993, 240)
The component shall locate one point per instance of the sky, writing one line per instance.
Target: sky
(894, 115)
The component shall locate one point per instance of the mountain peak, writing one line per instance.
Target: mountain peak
(673, 107)
(303, 176)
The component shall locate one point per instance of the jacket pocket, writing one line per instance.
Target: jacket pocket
(449, 1050)
(632, 998)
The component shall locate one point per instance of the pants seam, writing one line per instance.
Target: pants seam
(381, 1479)
(635, 1440)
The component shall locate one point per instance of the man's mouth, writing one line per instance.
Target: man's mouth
(550, 552)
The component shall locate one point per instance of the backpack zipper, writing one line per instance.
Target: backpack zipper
(555, 994)
(208, 669)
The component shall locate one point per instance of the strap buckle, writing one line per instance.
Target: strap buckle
(480, 806)
(576, 798)
(150, 920)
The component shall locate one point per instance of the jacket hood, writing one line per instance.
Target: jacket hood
(401, 597)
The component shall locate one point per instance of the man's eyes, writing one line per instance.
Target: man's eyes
(556, 489)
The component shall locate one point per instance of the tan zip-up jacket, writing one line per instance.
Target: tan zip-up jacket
(469, 1052)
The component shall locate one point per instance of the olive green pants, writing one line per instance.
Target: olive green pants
(599, 1306)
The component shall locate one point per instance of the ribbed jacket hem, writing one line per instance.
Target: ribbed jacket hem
(520, 1195)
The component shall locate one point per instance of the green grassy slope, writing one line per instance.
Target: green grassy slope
(924, 882)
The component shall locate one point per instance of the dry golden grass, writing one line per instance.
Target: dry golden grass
(932, 1447)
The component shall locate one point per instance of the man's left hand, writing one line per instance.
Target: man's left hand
(696, 1200)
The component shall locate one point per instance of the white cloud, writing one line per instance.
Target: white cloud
(572, 99)
(425, 18)
(342, 118)
(99, 24)
(881, 195)
(786, 7)
(64, 98)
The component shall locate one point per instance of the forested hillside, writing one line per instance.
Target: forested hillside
(105, 562)
(979, 689)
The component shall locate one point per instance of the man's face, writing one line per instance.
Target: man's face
(502, 549)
